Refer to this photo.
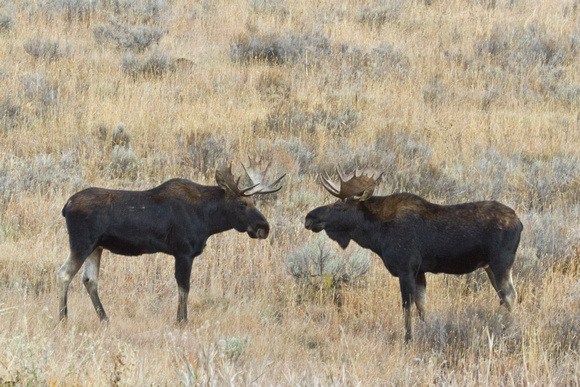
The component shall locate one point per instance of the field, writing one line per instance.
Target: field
(453, 100)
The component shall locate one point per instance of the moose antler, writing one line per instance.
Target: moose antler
(226, 179)
(258, 178)
(358, 182)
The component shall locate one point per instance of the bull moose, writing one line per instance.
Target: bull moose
(174, 218)
(414, 236)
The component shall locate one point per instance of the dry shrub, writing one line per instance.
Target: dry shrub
(376, 16)
(154, 64)
(277, 8)
(321, 271)
(317, 51)
(275, 48)
(434, 93)
(207, 152)
(125, 37)
(6, 20)
(71, 10)
(41, 92)
(274, 85)
(300, 152)
(569, 264)
(139, 11)
(44, 174)
(136, 11)
(46, 49)
(297, 117)
(121, 136)
(10, 114)
(520, 49)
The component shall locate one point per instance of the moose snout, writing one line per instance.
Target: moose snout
(262, 233)
(314, 223)
(259, 231)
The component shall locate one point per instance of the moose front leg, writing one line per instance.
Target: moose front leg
(182, 276)
(408, 293)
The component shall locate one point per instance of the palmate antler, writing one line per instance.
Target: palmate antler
(258, 178)
(359, 183)
(226, 179)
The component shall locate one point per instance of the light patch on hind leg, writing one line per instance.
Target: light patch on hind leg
(91, 279)
(507, 291)
(92, 266)
(64, 277)
(68, 270)
(421, 301)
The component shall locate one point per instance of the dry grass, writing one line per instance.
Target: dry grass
(453, 100)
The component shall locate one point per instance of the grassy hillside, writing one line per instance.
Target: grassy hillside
(453, 100)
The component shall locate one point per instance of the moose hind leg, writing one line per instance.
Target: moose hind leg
(182, 276)
(421, 296)
(64, 276)
(408, 293)
(91, 279)
(491, 277)
(506, 289)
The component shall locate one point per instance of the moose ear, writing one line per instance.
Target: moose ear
(365, 195)
(219, 179)
(224, 179)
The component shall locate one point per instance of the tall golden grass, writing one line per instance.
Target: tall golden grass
(470, 100)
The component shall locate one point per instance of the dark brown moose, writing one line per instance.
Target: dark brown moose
(414, 236)
(174, 218)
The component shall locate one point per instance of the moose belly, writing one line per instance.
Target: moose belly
(455, 263)
(126, 246)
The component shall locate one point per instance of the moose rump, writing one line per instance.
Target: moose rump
(462, 238)
(118, 219)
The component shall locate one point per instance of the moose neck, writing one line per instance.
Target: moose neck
(217, 214)
(365, 233)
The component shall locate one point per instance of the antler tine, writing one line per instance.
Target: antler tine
(256, 162)
(226, 178)
(258, 178)
(253, 172)
(351, 184)
(330, 186)
(277, 181)
(344, 177)
(335, 186)
(269, 189)
(243, 191)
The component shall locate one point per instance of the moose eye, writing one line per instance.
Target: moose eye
(241, 205)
